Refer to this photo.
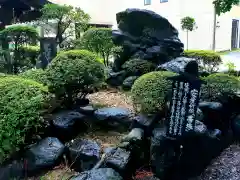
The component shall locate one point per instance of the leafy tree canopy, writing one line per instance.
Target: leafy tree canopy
(223, 6)
(188, 23)
(65, 18)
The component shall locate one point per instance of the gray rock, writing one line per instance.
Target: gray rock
(87, 110)
(84, 154)
(120, 115)
(99, 174)
(66, 120)
(176, 65)
(43, 155)
(136, 134)
(128, 82)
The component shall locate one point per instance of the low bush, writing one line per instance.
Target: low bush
(22, 103)
(138, 67)
(73, 54)
(217, 84)
(38, 75)
(149, 91)
(73, 74)
(208, 60)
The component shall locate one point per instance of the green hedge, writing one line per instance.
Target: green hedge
(208, 60)
(149, 91)
(37, 75)
(217, 84)
(73, 72)
(22, 102)
(137, 67)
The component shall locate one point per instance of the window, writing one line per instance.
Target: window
(163, 1)
(147, 2)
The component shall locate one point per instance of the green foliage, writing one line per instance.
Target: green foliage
(223, 6)
(19, 35)
(29, 54)
(231, 67)
(98, 40)
(73, 54)
(22, 103)
(150, 90)
(208, 60)
(74, 72)
(217, 84)
(188, 23)
(30, 51)
(137, 67)
(37, 75)
(65, 17)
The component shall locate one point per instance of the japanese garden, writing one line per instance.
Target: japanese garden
(93, 103)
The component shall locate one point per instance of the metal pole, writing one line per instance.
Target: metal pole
(214, 29)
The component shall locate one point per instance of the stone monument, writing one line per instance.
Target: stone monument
(184, 101)
(48, 50)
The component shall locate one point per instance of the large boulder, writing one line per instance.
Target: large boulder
(146, 35)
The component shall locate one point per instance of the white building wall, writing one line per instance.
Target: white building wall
(104, 12)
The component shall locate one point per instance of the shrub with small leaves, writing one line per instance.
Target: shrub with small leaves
(73, 73)
(19, 36)
(31, 52)
(98, 40)
(208, 60)
(37, 75)
(150, 90)
(137, 67)
(22, 103)
(217, 84)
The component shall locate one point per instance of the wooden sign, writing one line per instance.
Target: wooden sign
(48, 50)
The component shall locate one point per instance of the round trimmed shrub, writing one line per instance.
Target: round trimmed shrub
(73, 54)
(38, 75)
(74, 73)
(22, 102)
(138, 67)
(217, 84)
(149, 91)
(208, 60)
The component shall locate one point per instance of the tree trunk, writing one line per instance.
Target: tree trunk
(214, 29)
(187, 40)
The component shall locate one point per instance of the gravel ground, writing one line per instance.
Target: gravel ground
(112, 98)
(224, 167)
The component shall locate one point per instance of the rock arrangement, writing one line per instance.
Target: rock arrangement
(145, 143)
(145, 35)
